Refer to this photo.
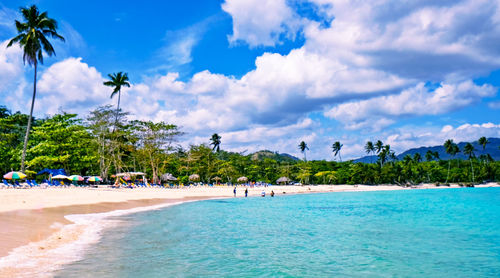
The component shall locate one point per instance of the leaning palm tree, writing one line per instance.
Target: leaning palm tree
(336, 147)
(469, 150)
(369, 148)
(117, 80)
(303, 147)
(215, 142)
(379, 146)
(32, 37)
(452, 149)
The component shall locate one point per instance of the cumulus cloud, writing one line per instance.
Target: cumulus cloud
(261, 22)
(72, 85)
(415, 101)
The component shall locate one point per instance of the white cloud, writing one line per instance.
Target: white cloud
(260, 22)
(415, 101)
(494, 105)
(71, 85)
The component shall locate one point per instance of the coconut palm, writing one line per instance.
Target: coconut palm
(417, 157)
(483, 141)
(369, 148)
(215, 142)
(379, 146)
(429, 155)
(336, 147)
(32, 38)
(452, 149)
(469, 151)
(117, 80)
(303, 147)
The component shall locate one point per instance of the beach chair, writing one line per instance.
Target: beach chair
(17, 183)
(34, 183)
(6, 183)
(29, 183)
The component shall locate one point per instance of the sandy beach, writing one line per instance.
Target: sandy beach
(36, 219)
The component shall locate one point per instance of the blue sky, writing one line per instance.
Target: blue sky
(267, 74)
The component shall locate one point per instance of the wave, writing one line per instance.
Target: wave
(67, 245)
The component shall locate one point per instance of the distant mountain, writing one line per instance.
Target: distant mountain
(492, 148)
(260, 155)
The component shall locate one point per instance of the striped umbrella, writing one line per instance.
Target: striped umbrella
(61, 177)
(94, 178)
(75, 178)
(14, 176)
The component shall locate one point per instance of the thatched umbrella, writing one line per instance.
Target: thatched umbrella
(194, 177)
(242, 179)
(168, 177)
(284, 180)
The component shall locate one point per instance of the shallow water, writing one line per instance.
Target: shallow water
(405, 233)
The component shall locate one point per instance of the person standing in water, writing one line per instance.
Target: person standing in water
(246, 192)
(272, 193)
(234, 191)
(263, 193)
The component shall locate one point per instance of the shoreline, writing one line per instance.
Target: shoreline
(42, 226)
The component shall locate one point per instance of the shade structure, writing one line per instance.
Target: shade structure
(94, 178)
(242, 179)
(216, 178)
(127, 178)
(168, 177)
(75, 178)
(60, 177)
(194, 177)
(283, 180)
(14, 175)
(129, 174)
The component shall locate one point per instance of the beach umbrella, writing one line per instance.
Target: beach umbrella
(194, 177)
(216, 178)
(127, 178)
(14, 176)
(242, 179)
(75, 178)
(60, 177)
(94, 178)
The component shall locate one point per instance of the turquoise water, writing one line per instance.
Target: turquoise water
(414, 233)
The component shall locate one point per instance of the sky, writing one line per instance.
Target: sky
(268, 74)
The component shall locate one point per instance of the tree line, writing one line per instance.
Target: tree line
(107, 142)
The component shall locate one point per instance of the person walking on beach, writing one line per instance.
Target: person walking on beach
(246, 192)
(234, 191)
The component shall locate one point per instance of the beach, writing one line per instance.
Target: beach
(37, 221)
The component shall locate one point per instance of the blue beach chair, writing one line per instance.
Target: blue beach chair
(29, 183)
(34, 182)
(6, 183)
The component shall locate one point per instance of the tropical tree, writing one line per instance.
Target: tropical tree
(417, 157)
(469, 151)
(483, 141)
(429, 155)
(215, 142)
(452, 149)
(369, 147)
(336, 147)
(379, 146)
(303, 147)
(32, 37)
(117, 80)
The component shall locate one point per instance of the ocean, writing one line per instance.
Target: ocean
(404, 233)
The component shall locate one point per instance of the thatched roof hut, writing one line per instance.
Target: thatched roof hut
(194, 177)
(284, 180)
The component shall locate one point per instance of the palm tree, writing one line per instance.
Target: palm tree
(483, 141)
(379, 146)
(215, 141)
(469, 150)
(369, 148)
(429, 155)
(452, 149)
(417, 157)
(117, 80)
(336, 147)
(32, 37)
(303, 147)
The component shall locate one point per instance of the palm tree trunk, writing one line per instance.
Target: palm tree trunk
(118, 108)
(29, 121)
(448, 175)
(472, 170)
